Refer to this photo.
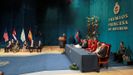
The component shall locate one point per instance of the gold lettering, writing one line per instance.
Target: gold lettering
(126, 22)
(123, 22)
(116, 18)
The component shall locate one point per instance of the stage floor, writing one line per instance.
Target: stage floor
(110, 71)
(122, 70)
(45, 50)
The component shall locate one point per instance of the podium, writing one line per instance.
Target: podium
(62, 42)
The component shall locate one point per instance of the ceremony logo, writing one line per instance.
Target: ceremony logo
(116, 8)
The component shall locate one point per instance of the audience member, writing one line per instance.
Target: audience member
(101, 53)
(118, 56)
(39, 47)
(98, 47)
(16, 46)
(12, 43)
(25, 45)
(84, 43)
(39, 43)
(31, 46)
(8, 47)
(78, 37)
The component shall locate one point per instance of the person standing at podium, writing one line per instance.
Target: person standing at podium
(62, 40)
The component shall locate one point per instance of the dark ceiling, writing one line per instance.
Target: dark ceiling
(6, 4)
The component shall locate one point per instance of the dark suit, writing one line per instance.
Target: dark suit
(103, 52)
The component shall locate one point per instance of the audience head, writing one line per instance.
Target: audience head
(103, 45)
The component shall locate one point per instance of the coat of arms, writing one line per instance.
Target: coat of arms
(116, 8)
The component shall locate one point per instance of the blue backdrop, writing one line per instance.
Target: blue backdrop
(104, 10)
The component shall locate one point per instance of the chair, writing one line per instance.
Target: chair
(105, 60)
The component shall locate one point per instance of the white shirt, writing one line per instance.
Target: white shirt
(98, 49)
(39, 44)
(31, 44)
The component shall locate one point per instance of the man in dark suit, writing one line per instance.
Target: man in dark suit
(102, 52)
(8, 47)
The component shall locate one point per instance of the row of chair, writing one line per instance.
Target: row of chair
(30, 49)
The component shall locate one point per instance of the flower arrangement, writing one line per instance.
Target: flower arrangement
(73, 67)
(93, 26)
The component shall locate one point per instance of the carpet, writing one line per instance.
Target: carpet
(15, 65)
(20, 65)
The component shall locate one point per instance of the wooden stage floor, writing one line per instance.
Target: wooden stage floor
(110, 71)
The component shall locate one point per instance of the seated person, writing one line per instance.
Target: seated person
(84, 43)
(78, 37)
(39, 43)
(16, 47)
(101, 53)
(8, 46)
(122, 48)
(31, 46)
(12, 44)
(121, 52)
(25, 45)
(98, 47)
(39, 46)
